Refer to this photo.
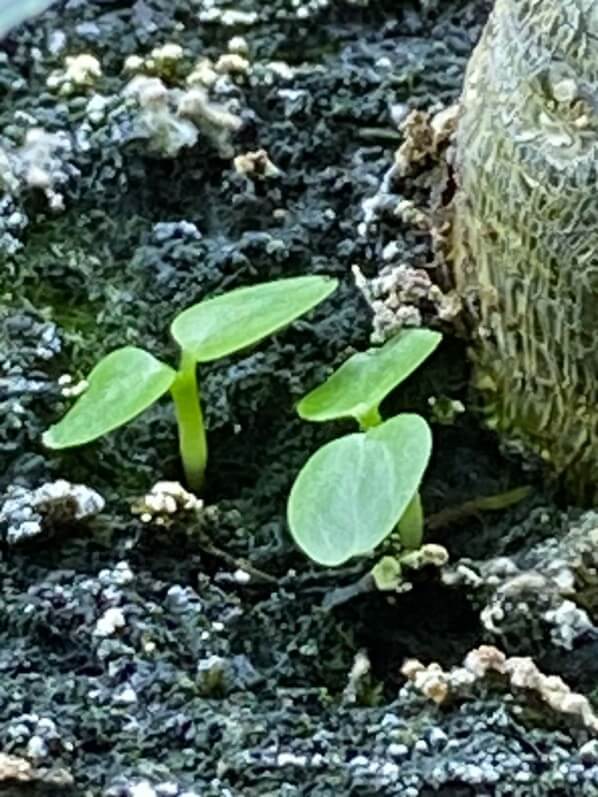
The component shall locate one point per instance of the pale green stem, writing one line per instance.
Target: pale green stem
(370, 419)
(192, 433)
(411, 524)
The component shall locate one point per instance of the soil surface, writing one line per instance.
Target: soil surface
(199, 653)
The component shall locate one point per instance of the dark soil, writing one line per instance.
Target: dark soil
(212, 686)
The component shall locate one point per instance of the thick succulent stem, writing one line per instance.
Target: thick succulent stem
(526, 228)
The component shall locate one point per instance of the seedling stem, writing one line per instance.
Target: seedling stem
(411, 524)
(192, 433)
(370, 419)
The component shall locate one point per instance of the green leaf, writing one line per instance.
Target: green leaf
(217, 327)
(13, 12)
(123, 384)
(351, 493)
(359, 385)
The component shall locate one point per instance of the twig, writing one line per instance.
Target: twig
(236, 563)
(490, 503)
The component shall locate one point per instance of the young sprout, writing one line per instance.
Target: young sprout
(129, 380)
(353, 491)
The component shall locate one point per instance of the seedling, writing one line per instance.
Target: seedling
(354, 491)
(129, 380)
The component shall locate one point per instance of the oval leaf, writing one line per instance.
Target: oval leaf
(360, 384)
(352, 492)
(122, 384)
(217, 327)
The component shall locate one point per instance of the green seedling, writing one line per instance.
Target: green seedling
(352, 493)
(129, 380)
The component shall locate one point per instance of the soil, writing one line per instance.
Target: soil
(202, 656)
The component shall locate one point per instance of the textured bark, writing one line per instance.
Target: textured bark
(526, 228)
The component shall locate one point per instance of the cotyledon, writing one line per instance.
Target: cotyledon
(525, 228)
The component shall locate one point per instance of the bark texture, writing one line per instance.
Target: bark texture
(526, 228)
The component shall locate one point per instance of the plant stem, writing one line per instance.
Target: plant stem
(192, 433)
(488, 503)
(370, 419)
(411, 524)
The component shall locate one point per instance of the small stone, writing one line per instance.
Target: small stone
(256, 165)
(589, 752)
(291, 760)
(133, 63)
(80, 72)
(17, 770)
(242, 577)
(232, 64)
(127, 697)
(142, 789)
(37, 749)
(111, 621)
(389, 771)
(168, 789)
(238, 45)
(437, 738)
(399, 751)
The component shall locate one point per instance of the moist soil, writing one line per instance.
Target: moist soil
(234, 667)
